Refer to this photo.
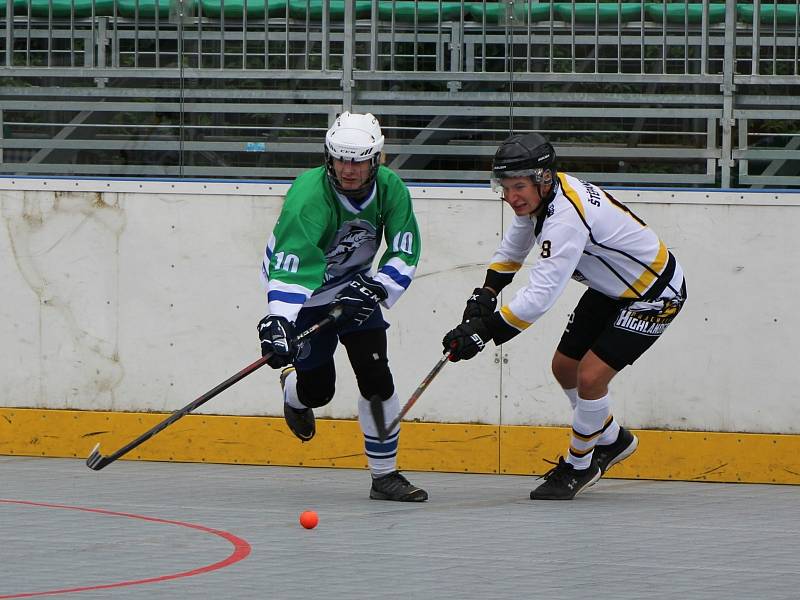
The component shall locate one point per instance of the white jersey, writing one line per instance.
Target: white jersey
(588, 236)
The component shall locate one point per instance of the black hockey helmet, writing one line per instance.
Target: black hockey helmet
(525, 155)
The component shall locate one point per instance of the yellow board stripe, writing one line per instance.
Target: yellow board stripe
(572, 196)
(505, 267)
(444, 447)
(512, 319)
(649, 275)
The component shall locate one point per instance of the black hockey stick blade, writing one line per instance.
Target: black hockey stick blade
(376, 408)
(97, 461)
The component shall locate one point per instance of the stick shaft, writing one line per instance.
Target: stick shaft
(418, 392)
(182, 412)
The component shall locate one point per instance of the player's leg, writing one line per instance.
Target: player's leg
(311, 381)
(578, 471)
(584, 326)
(366, 349)
(633, 330)
(587, 376)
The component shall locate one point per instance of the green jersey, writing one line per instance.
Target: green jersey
(323, 239)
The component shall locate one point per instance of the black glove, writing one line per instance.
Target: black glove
(359, 298)
(466, 340)
(278, 339)
(482, 303)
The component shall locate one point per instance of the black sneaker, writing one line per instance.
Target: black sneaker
(608, 455)
(564, 482)
(396, 487)
(300, 421)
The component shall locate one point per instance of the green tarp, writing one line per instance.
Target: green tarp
(61, 8)
(585, 12)
(312, 9)
(684, 13)
(235, 9)
(147, 8)
(784, 14)
(426, 11)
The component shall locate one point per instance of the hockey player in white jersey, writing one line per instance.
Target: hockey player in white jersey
(635, 289)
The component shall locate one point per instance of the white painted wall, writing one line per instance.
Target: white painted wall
(143, 295)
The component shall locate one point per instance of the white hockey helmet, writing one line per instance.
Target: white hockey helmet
(354, 137)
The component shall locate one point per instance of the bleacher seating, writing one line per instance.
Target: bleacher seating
(632, 92)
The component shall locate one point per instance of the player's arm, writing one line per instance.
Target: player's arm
(561, 249)
(398, 264)
(294, 261)
(514, 248)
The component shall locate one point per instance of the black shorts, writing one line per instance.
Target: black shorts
(617, 331)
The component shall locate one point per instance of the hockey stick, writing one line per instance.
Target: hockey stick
(376, 403)
(97, 461)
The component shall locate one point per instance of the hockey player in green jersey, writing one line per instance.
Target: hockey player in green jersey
(320, 256)
(636, 288)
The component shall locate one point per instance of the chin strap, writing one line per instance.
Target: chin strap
(551, 194)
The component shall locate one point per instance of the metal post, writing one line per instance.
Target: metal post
(348, 55)
(373, 38)
(10, 33)
(728, 88)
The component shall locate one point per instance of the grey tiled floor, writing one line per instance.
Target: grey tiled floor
(478, 537)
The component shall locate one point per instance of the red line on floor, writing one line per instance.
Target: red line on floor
(241, 549)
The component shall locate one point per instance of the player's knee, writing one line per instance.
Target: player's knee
(565, 370)
(593, 379)
(374, 377)
(367, 353)
(315, 388)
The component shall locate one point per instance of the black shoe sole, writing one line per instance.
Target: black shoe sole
(418, 496)
(588, 484)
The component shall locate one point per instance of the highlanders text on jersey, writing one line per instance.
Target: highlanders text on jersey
(588, 236)
(323, 239)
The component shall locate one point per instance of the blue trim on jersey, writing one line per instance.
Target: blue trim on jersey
(402, 280)
(268, 252)
(288, 297)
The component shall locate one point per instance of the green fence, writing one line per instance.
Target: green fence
(424, 11)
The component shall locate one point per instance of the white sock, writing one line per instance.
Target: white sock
(588, 421)
(290, 391)
(572, 394)
(381, 456)
(611, 432)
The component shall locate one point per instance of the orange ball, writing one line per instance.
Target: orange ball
(309, 519)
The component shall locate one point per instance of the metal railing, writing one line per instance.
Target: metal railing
(669, 93)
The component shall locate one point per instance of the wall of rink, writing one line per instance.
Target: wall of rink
(123, 301)
(130, 296)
